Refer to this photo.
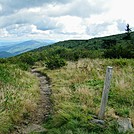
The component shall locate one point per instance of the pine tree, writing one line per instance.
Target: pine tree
(128, 30)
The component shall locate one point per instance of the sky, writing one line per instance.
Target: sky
(63, 19)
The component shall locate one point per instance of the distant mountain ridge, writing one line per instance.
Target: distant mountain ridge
(4, 54)
(18, 48)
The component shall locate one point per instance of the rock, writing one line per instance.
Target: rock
(97, 121)
(124, 125)
(34, 128)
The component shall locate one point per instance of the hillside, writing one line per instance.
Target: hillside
(94, 43)
(76, 95)
(107, 47)
(76, 75)
(115, 46)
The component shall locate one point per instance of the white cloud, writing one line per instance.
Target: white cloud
(12, 6)
(64, 19)
(79, 8)
(71, 24)
(4, 33)
(20, 30)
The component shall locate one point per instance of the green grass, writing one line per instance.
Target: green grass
(77, 90)
(19, 94)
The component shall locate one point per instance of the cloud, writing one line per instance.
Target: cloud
(63, 18)
(86, 8)
(121, 24)
(20, 30)
(8, 7)
(12, 6)
(102, 29)
(96, 29)
(4, 33)
(25, 17)
(79, 8)
(47, 24)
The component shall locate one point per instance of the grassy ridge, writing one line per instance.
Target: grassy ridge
(19, 94)
(77, 92)
(115, 46)
(91, 44)
(76, 87)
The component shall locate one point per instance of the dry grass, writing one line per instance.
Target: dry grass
(81, 83)
(18, 97)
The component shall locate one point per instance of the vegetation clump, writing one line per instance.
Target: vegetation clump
(55, 62)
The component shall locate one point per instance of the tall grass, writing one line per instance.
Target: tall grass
(19, 94)
(77, 90)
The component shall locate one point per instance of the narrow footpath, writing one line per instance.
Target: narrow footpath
(43, 111)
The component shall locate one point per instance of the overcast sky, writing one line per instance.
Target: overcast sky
(63, 19)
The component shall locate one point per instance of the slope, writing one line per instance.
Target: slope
(76, 87)
(94, 43)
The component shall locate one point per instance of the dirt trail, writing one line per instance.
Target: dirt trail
(43, 111)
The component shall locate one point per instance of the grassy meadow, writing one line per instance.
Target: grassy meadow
(76, 96)
(19, 93)
(77, 71)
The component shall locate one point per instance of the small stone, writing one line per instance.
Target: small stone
(124, 125)
(94, 116)
(97, 121)
(35, 128)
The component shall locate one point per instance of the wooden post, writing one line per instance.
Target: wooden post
(105, 92)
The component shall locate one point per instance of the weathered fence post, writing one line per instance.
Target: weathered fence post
(105, 92)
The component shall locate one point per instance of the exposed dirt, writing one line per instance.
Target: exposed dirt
(44, 108)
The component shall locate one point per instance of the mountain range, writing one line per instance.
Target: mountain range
(9, 49)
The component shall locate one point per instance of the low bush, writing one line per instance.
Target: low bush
(55, 62)
(120, 51)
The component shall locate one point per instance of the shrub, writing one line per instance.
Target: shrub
(23, 66)
(55, 62)
(2, 60)
(27, 58)
(119, 51)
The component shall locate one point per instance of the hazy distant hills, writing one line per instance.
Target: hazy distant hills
(4, 54)
(11, 49)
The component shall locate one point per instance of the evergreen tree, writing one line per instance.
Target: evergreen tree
(128, 30)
